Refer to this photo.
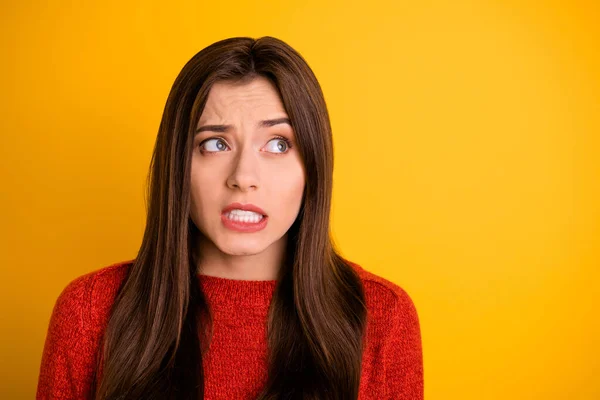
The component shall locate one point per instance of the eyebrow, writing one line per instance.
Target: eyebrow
(262, 124)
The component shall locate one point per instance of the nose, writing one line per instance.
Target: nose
(244, 175)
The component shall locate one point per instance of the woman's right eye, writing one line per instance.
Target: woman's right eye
(213, 148)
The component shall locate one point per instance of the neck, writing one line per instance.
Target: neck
(241, 264)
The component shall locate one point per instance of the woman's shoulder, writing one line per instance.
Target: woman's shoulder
(384, 297)
(90, 296)
(76, 325)
(100, 280)
(393, 335)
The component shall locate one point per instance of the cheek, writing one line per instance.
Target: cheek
(201, 199)
(291, 191)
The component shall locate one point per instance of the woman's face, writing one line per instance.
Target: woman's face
(239, 158)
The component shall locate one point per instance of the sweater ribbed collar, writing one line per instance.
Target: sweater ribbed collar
(225, 292)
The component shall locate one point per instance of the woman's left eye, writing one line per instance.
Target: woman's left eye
(278, 144)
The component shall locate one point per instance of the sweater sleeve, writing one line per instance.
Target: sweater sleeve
(404, 356)
(67, 365)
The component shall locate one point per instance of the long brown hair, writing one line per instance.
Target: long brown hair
(160, 324)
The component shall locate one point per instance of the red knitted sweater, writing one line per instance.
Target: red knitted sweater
(235, 365)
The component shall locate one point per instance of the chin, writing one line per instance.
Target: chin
(241, 247)
(241, 252)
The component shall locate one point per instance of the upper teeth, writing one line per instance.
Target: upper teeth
(243, 215)
(243, 212)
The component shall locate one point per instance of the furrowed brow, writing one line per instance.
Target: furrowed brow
(262, 124)
(272, 122)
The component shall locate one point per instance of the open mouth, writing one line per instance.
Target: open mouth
(246, 217)
(244, 223)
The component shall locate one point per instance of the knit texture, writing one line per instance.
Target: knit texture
(235, 366)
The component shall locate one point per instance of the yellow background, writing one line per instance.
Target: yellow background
(466, 166)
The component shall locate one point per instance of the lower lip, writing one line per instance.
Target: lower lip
(240, 226)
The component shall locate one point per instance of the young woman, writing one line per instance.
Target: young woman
(237, 291)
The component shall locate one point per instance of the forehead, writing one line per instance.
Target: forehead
(258, 97)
